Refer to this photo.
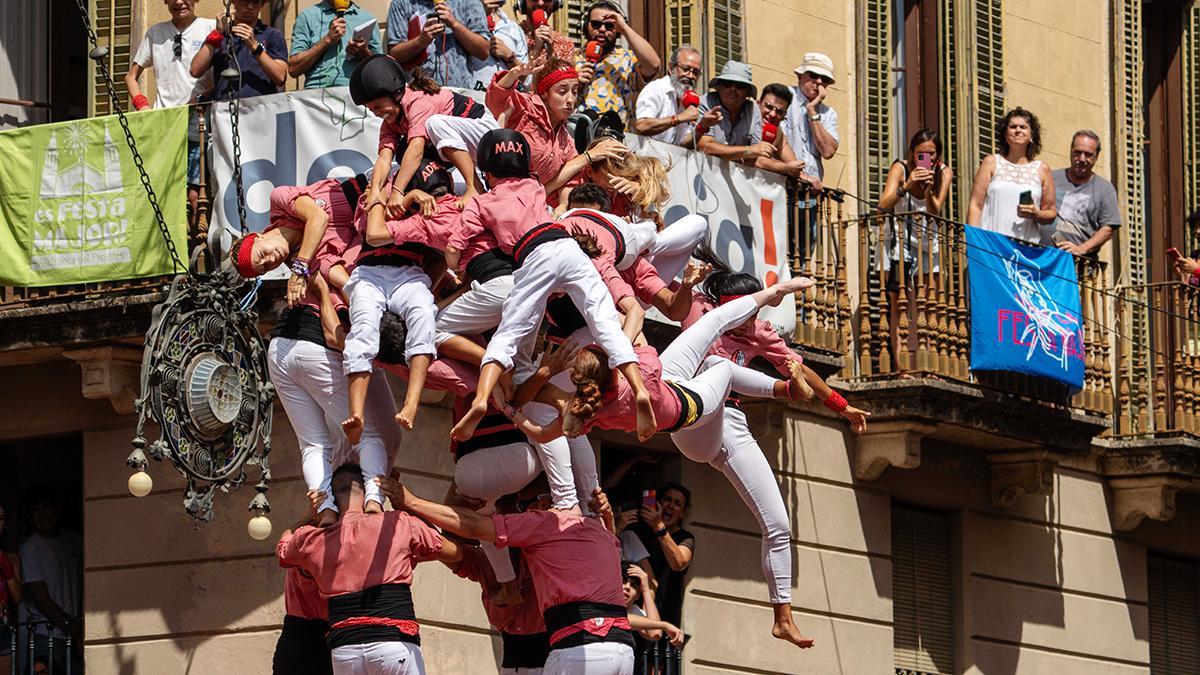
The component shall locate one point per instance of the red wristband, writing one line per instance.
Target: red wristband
(1196, 273)
(836, 402)
(140, 102)
(215, 39)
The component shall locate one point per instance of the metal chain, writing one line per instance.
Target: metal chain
(97, 54)
(234, 96)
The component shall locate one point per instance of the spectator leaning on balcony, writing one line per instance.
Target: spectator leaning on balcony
(773, 106)
(440, 36)
(1088, 211)
(661, 113)
(1013, 192)
(811, 126)
(1189, 268)
(324, 49)
(169, 48)
(506, 48)
(259, 54)
(731, 125)
(610, 77)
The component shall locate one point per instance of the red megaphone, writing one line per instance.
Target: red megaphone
(769, 132)
(690, 98)
(594, 51)
(491, 19)
(538, 17)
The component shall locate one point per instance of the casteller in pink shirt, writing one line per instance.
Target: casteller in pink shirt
(417, 107)
(619, 411)
(760, 340)
(550, 146)
(340, 234)
(522, 619)
(611, 240)
(360, 551)
(302, 598)
(512, 207)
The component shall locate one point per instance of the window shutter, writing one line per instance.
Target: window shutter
(569, 21)
(726, 32)
(875, 126)
(1191, 111)
(989, 72)
(922, 604)
(113, 21)
(1174, 616)
(948, 83)
(683, 18)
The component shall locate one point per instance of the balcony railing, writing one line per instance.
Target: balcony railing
(911, 311)
(817, 236)
(1158, 366)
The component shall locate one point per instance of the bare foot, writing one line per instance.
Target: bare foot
(647, 426)
(326, 517)
(509, 594)
(800, 386)
(353, 428)
(788, 287)
(407, 415)
(466, 426)
(571, 424)
(373, 506)
(785, 628)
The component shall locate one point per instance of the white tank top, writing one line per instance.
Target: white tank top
(1004, 196)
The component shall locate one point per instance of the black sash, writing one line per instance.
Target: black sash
(612, 229)
(524, 651)
(539, 235)
(691, 408)
(571, 613)
(489, 265)
(389, 601)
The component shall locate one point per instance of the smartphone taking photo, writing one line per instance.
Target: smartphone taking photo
(925, 160)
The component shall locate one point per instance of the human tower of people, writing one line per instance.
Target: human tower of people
(520, 286)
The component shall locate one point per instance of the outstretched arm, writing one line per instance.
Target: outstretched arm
(461, 521)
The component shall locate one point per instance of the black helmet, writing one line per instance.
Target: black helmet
(504, 153)
(378, 75)
(430, 176)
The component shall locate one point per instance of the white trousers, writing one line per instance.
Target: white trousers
(744, 465)
(401, 290)
(599, 658)
(458, 133)
(674, 245)
(378, 658)
(556, 267)
(489, 474)
(476, 310)
(312, 389)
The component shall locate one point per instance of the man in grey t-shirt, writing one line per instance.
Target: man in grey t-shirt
(1088, 210)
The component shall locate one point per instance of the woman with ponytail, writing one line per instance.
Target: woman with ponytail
(740, 458)
(542, 119)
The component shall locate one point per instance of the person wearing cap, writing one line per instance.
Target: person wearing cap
(324, 47)
(665, 111)
(547, 260)
(731, 126)
(811, 125)
(609, 82)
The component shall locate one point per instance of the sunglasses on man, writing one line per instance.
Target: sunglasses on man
(178, 46)
(609, 26)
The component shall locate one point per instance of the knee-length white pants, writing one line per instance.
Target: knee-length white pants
(312, 389)
(378, 658)
(489, 474)
(404, 291)
(558, 266)
(458, 133)
(598, 658)
(674, 245)
(476, 310)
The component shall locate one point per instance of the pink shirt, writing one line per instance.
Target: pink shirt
(417, 107)
(433, 231)
(301, 598)
(619, 411)
(522, 619)
(340, 234)
(445, 374)
(571, 558)
(644, 279)
(360, 551)
(760, 340)
(550, 147)
(618, 288)
(510, 209)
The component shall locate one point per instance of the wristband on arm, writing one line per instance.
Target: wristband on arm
(140, 102)
(836, 402)
(214, 39)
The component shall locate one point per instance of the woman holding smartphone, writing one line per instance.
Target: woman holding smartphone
(919, 183)
(1013, 192)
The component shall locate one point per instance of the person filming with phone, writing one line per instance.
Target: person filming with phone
(671, 546)
(1088, 210)
(1013, 193)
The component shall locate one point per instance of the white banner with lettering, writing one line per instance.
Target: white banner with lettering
(300, 137)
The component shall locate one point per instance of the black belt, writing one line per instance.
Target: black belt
(691, 408)
(377, 614)
(568, 614)
(490, 264)
(546, 232)
(504, 434)
(524, 651)
(353, 187)
(619, 253)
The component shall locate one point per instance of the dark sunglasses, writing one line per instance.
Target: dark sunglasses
(736, 85)
(178, 47)
(780, 109)
(523, 504)
(606, 25)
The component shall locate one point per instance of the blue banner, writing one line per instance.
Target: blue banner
(1025, 309)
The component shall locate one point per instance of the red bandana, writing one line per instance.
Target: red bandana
(729, 298)
(242, 257)
(554, 77)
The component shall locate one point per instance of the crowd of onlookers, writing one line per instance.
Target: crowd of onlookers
(41, 589)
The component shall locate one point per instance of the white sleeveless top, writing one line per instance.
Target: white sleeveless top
(1004, 196)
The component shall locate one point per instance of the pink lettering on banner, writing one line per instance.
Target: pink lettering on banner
(1011, 325)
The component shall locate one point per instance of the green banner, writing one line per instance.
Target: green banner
(73, 209)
